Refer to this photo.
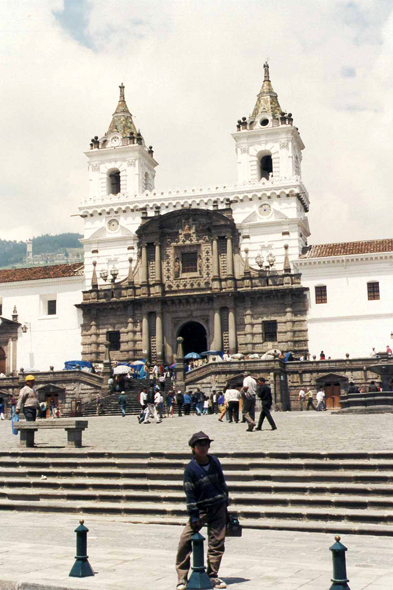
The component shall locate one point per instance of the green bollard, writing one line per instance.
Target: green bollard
(199, 580)
(81, 567)
(340, 580)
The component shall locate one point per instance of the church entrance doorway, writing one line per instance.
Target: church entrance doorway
(2, 360)
(195, 337)
(332, 393)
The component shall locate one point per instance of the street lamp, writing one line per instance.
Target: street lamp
(271, 259)
(259, 260)
(114, 273)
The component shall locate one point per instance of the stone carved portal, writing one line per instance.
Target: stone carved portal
(195, 337)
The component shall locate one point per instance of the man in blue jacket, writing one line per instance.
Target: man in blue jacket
(207, 501)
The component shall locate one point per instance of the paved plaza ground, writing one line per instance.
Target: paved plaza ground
(37, 549)
(297, 431)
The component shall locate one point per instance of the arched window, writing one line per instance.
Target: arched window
(266, 165)
(113, 182)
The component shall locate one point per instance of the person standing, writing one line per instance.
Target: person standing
(207, 501)
(214, 401)
(170, 403)
(232, 397)
(250, 387)
(1, 408)
(265, 394)
(199, 405)
(320, 400)
(28, 400)
(123, 403)
(187, 404)
(302, 395)
(180, 402)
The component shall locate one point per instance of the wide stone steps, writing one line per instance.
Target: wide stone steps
(331, 492)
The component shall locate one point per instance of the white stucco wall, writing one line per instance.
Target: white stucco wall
(49, 340)
(349, 322)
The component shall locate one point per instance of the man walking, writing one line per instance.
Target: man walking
(265, 395)
(123, 403)
(310, 401)
(28, 399)
(207, 501)
(151, 409)
(250, 387)
(248, 407)
(320, 400)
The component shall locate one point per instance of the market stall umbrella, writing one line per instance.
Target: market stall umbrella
(121, 370)
(207, 352)
(192, 355)
(137, 363)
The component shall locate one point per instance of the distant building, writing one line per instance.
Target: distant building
(39, 323)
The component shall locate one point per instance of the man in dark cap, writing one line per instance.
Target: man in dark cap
(207, 501)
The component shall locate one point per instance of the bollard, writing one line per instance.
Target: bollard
(81, 567)
(199, 580)
(340, 580)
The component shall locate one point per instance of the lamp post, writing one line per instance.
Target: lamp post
(114, 273)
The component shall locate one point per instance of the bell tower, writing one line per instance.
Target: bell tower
(268, 146)
(119, 162)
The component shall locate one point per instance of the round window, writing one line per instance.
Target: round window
(264, 122)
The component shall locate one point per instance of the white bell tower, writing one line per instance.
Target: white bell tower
(267, 144)
(119, 162)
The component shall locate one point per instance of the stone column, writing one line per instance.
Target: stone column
(215, 263)
(180, 375)
(229, 257)
(217, 329)
(14, 358)
(158, 262)
(159, 337)
(232, 331)
(248, 328)
(144, 264)
(145, 337)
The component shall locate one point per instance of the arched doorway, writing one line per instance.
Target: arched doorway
(195, 338)
(2, 360)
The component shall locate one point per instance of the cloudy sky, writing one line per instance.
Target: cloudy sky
(191, 68)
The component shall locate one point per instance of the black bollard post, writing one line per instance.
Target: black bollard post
(340, 580)
(81, 567)
(199, 580)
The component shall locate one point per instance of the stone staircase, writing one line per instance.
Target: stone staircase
(325, 492)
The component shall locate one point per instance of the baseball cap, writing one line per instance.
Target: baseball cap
(198, 436)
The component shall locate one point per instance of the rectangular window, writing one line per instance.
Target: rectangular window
(269, 331)
(321, 294)
(51, 309)
(189, 261)
(113, 339)
(373, 291)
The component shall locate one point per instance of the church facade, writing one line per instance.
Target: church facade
(210, 265)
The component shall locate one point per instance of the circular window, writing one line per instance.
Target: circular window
(264, 122)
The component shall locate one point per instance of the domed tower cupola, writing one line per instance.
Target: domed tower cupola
(122, 122)
(120, 162)
(267, 110)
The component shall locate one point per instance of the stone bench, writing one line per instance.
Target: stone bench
(73, 428)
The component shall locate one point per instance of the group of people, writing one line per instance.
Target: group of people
(306, 395)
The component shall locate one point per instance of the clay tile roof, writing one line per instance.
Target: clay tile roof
(349, 248)
(35, 273)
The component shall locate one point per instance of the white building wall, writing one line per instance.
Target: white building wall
(49, 339)
(349, 322)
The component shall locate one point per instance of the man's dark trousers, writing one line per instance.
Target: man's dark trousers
(266, 413)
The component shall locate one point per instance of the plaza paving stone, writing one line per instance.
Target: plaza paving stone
(37, 550)
(297, 431)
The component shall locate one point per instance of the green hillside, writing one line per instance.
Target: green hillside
(13, 252)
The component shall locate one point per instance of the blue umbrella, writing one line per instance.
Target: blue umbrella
(192, 355)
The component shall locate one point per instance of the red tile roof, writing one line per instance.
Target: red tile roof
(349, 248)
(35, 273)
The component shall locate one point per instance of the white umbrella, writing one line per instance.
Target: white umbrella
(254, 356)
(137, 363)
(238, 355)
(121, 370)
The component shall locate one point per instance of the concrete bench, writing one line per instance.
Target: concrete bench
(73, 428)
